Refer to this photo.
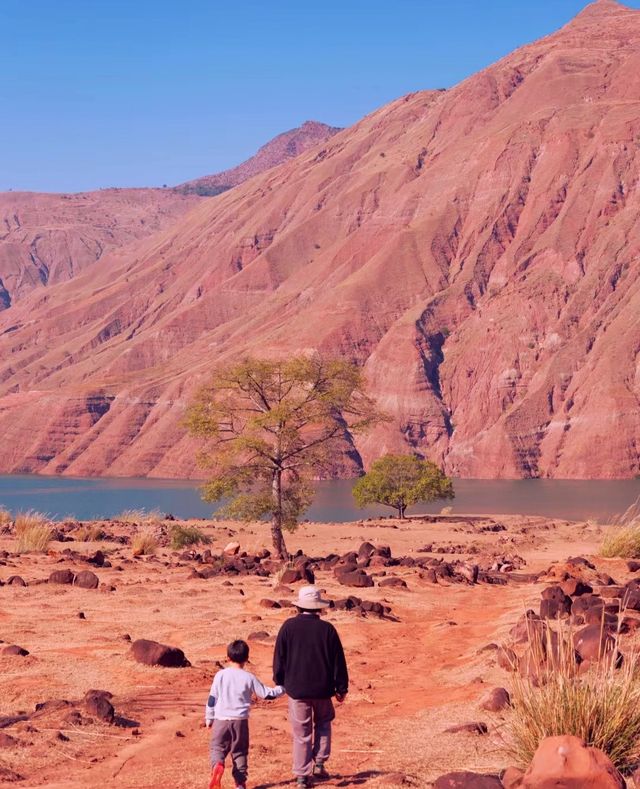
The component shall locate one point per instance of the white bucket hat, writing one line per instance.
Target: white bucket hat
(310, 598)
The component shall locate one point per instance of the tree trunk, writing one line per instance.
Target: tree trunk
(277, 537)
(401, 509)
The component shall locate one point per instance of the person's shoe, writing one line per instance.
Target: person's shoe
(320, 772)
(302, 781)
(216, 776)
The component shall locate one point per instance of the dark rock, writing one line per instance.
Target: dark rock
(259, 635)
(98, 704)
(496, 700)
(16, 580)
(98, 559)
(365, 552)
(152, 653)
(14, 649)
(555, 603)
(372, 608)
(266, 603)
(393, 582)
(475, 727)
(357, 578)
(87, 580)
(574, 587)
(593, 643)
(61, 577)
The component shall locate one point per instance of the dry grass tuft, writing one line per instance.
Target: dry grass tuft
(601, 706)
(182, 536)
(5, 516)
(623, 539)
(33, 532)
(90, 532)
(144, 544)
(139, 517)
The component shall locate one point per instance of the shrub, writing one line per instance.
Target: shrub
(33, 532)
(139, 517)
(144, 544)
(5, 517)
(181, 536)
(601, 706)
(623, 539)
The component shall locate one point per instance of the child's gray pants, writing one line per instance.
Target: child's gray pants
(310, 721)
(231, 737)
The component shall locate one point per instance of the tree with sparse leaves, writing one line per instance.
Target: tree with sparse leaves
(270, 427)
(399, 481)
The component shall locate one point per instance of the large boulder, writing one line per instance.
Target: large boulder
(566, 763)
(152, 653)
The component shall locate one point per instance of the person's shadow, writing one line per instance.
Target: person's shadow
(357, 779)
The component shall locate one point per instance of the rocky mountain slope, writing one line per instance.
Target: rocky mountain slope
(476, 249)
(285, 146)
(49, 238)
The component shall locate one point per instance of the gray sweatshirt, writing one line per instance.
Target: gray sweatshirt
(231, 693)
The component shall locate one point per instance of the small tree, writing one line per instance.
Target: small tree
(399, 481)
(272, 426)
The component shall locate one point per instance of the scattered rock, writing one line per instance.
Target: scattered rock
(14, 649)
(393, 582)
(86, 580)
(98, 704)
(61, 577)
(152, 653)
(496, 700)
(357, 578)
(474, 727)
(231, 549)
(266, 603)
(16, 580)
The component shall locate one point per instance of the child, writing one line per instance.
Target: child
(228, 710)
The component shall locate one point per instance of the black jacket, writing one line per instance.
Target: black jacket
(309, 660)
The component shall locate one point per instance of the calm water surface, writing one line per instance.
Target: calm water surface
(102, 498)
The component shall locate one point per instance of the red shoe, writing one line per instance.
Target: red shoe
(216, 776)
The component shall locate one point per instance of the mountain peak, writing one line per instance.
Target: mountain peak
(601, 8)
(285, 146)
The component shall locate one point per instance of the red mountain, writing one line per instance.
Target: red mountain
(477, 250)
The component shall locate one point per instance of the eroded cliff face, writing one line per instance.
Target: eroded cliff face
(477, 250)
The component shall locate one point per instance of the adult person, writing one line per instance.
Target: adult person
(309, 662)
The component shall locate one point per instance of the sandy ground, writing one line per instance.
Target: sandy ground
(411, 678)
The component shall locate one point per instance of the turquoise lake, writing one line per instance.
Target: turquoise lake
(603, 500)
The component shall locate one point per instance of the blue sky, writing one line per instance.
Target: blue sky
(144, 92)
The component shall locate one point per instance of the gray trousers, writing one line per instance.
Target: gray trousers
(231, 737)
(310, 721)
